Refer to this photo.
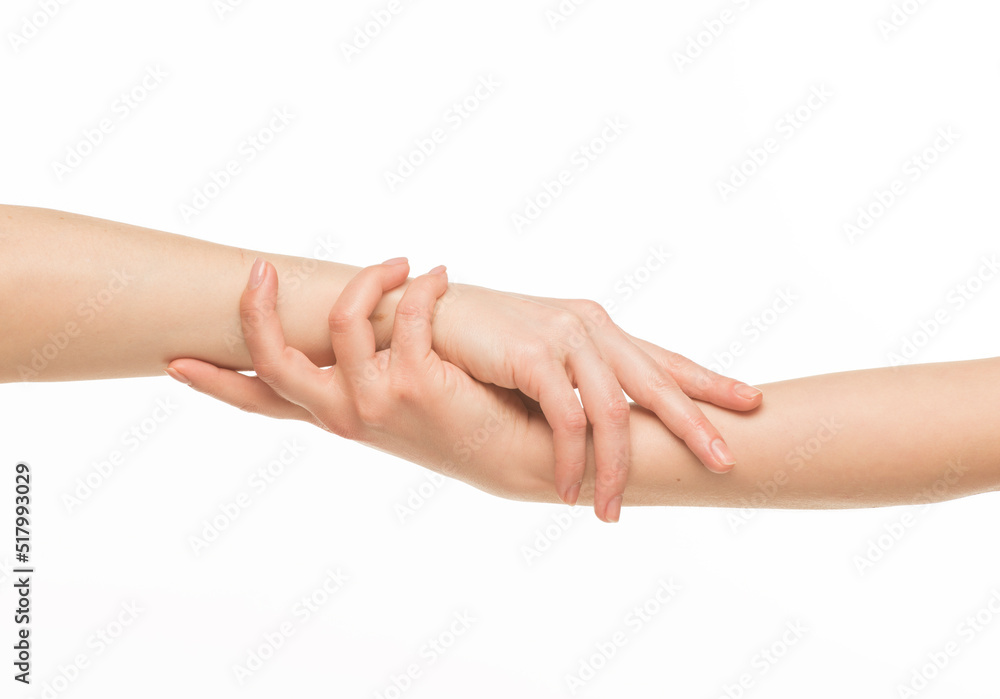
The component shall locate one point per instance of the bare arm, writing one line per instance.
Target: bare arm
(99, 299)
(86, 298)
(890, 436)
(868, 438)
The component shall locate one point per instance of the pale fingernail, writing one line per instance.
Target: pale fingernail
(256, 273)
(614, 511)
(174, 374)
(747, 391)
(395, 261)
(437, 270)
(573, 494)
(722, 453)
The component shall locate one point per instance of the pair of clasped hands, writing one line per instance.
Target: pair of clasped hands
(477, 384)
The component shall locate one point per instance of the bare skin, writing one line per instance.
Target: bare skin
(876, 437)
(88, 298)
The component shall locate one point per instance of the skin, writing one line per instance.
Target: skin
(876, 437)
(110, 300)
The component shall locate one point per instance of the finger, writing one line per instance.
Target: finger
(701, 383)
(568, 421)
(531, 404)
(351, 333)
(651, 386)
(608, 411)
(411, 330)
(247, 393)
(285, 369)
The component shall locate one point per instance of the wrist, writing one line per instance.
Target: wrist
(445, 321)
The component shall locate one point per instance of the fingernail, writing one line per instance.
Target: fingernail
(722, 453)
(614, 511)
(573, 494)
(395, 261)
(437, 270)
(174, 374)
(256, 273)
(747, 391)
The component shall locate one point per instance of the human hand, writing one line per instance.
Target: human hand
(403, 400)
(547, 347)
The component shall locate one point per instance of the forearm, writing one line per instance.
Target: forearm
(86, 298)
(867, 438)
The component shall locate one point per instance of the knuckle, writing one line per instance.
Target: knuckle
(574, 421)
(410, 310)
(370, 411)
(696, 423)
(673, 361)
(251, 317)
(368, 376)
(613, 473)
(617, 412)
(340, 320)
(661, 384)
(570, 330)
(609, 478)
(705, 380)
(592, 310)
(412, 317)
(404, 388)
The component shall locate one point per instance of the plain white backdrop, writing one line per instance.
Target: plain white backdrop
(811, 114)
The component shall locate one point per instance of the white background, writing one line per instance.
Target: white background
(335, 506)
